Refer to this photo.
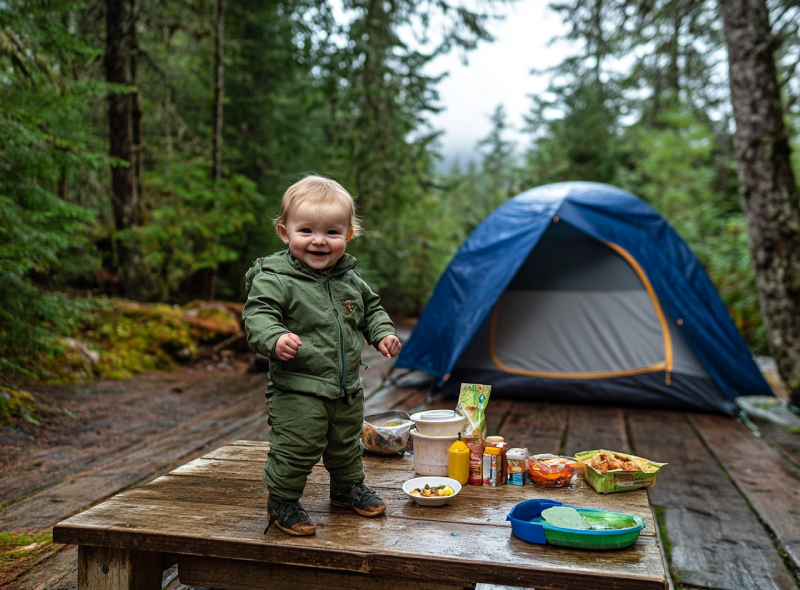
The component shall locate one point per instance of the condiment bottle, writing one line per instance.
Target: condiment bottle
(502, 463)
(491, 465)
(475, 444)
(458, 462)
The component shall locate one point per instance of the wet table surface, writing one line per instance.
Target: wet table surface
(209, 515)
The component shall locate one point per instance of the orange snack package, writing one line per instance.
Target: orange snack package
(552, 471)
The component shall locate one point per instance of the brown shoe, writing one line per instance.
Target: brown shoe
(360, 498)
(291, 518)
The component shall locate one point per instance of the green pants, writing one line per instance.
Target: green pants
(305, 428)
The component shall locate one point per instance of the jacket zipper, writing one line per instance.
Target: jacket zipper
(341, 335)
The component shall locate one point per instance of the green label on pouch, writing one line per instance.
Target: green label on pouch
(472, 401)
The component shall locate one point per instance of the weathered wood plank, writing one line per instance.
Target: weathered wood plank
(259, 454)
(106, 568)
(258, 430)
(469, 507)
(769, 482)
(596, 427)
(249, 575)
(539, 427)
(716, 540)
(782, 437)
(94, 407)
(412, 403)
(387, 399)
(345, 541)
(41, 510)
(496, 413)
(60, 572)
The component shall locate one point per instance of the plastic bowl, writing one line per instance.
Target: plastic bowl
(419, 482)
(527, 524)
(438, 422)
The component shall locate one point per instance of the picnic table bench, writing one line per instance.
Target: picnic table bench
(208, 516)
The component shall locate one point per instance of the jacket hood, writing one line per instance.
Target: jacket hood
(284, 263)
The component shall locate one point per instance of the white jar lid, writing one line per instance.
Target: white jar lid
(437, 416)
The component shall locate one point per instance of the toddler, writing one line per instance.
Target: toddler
(309, 311)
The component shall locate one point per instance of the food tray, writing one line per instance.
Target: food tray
(610, 530)
(607, 482)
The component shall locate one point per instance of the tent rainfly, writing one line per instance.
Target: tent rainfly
(582, 292)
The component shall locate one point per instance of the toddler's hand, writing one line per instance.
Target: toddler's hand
(287, 346)
(389, 347)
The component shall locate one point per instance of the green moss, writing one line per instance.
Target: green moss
(17, 404)
(22, 548)
(661, 523)
(11, 540)
(115, 339)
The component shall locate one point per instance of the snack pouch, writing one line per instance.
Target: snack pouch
(472, 401)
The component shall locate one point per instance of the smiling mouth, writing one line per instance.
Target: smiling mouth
(317, 254)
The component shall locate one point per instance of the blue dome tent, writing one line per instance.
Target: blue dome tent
(582, 292)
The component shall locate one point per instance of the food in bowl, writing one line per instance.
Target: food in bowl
(418, 484)
(433, 492)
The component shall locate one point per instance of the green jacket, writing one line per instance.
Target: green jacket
(331, 310)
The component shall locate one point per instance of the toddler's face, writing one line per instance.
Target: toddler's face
(317, 234)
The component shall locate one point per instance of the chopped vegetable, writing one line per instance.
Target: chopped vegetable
(433, 492)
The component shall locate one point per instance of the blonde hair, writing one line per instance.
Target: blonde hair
(318, 190)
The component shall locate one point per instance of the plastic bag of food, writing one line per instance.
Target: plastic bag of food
(552, 471)
(472, 401)
(386, 433)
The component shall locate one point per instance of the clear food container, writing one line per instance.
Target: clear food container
(386, 433)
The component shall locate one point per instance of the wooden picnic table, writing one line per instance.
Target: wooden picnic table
(208, 516)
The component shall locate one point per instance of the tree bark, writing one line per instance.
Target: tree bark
(767, 183)
(137, 148)
(219, 88)
(120, 112)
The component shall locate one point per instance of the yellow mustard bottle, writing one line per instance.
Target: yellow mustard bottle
(458, 462)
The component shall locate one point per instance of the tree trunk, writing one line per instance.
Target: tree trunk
(117, 67)
(137, 149)
(767, 183)
(219, 52)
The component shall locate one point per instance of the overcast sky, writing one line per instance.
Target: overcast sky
(496, 73)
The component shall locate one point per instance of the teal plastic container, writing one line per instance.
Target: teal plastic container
(610, 530)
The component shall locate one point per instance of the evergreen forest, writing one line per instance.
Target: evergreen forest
(145, 146)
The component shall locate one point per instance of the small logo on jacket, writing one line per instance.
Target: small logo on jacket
(351, 304)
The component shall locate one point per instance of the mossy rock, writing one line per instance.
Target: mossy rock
(135, 337)
(16, 404)
(117, 338)
(211, 321)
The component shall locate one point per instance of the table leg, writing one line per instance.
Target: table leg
(108, 568)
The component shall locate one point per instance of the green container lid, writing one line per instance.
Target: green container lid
(610, 530)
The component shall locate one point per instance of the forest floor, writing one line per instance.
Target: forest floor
(727, 503)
